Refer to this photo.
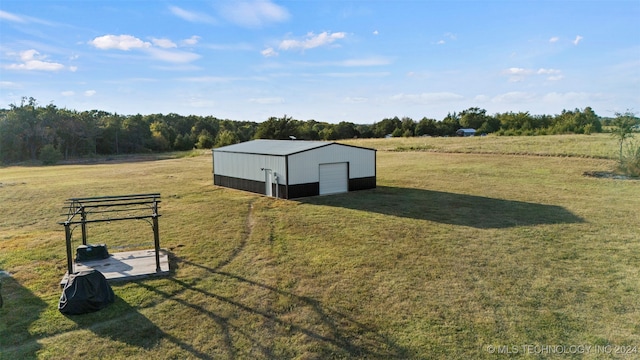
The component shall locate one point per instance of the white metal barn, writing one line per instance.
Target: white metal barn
(294, 168)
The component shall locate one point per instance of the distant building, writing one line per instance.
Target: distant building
(466, 132)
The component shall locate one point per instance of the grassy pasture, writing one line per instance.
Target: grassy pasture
(455, 251)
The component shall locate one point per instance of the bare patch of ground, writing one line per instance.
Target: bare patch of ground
(608, 175)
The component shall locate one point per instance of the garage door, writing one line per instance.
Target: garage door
(333, 178)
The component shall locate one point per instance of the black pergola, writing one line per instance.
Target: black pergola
(111, 208)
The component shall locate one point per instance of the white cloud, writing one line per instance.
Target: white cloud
(375, 32)
(7, 16)
(11, 17)
(253, 13)
(68, 93)
(32, 60)
(241, 46)
(355, 100)
(451, 36)
(554, 39)
(577, 40)
(427, 98)
(191, 16)
(311, 41)
(269, 52)
(9, 85)
(267, 100)
(161, 49)
(543, 71)
(447, 36)
(517, 71)
(28, 55)
(89, 93)
(164, 43)
(481, 98)
(191, 41)
(573, 97)
(120, 42)
(554, 74)
(73, 68)
(172, 56)
(362, 62)
(519, 74)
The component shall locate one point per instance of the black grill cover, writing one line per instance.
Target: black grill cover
(85, 292)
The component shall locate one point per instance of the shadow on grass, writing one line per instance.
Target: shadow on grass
(19, 310)
(335, 335)
(121, 322)
(449, 208)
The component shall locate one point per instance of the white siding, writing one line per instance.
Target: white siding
(303, 167)
(248, 166)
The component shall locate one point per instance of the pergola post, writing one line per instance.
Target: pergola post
(67, 233)
(83, 224)
(156, 234)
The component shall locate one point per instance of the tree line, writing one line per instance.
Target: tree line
(28, 128)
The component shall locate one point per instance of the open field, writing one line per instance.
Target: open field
(598, 146)
(453, 253)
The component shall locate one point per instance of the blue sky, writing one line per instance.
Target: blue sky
(356, 61)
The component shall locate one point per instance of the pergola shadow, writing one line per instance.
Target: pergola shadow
(20, 309)
(449, 208)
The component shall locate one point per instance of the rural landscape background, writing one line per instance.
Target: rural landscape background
(28, 127)
(467, 245)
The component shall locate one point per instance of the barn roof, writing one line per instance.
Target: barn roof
(273, 147)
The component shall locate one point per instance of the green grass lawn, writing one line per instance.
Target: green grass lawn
(454, 252)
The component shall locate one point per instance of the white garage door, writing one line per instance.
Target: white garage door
(333, 178)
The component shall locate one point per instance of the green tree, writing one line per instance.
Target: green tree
(408, 127)
(449, 125)
(426, 127)
(28, 127)
(226, 137)
(183, 142)
(49, 155)
(277, 128)
(473, 118)
(137, 134)
(622, 129)
(386, 127)
(110, 130)
(205, 140)
(345, 130)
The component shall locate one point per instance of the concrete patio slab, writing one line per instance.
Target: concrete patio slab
(124, 266)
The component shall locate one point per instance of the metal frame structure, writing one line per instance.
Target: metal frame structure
(123, 207)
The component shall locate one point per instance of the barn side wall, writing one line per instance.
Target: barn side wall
(248, 166)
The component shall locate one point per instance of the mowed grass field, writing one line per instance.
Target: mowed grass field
(457, 254)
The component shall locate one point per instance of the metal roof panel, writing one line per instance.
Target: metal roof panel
(273, 147)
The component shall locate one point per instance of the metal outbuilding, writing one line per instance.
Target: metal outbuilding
(294, 168)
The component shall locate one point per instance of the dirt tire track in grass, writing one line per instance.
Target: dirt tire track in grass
(249, 223)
